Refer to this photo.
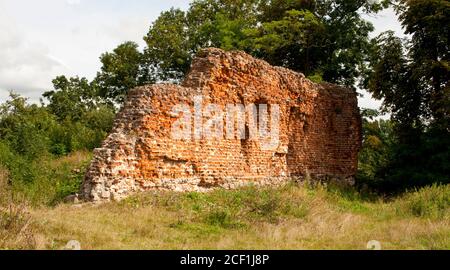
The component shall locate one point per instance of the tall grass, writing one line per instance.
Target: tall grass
(306, 215)
(429, 202)
(295, 216)
(15, 219)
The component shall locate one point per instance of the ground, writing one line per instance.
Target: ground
(296, 216)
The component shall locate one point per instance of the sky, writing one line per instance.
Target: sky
(40, 40)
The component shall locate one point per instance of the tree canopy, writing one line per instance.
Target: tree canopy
(411, 76)
(300, 35)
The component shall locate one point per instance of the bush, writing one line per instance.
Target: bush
(423, 161)
(34, 143)
(391, 164)
(429, 202)
(45, 181)
(222, 218)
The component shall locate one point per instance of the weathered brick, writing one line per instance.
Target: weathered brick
(320, 132)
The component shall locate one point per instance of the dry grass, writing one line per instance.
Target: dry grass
(290, 217)
(15, 219)
(77, 157)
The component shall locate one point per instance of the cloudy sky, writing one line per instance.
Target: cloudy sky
(40, 40)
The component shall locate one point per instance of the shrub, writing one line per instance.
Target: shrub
(33, 139)
(429, 202)
(46, 181)
(222, 218)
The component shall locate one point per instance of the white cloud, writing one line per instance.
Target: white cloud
(126, 29)
(50, 38)
(25, 65)
(40, 40)
(384, 21)
(73, 2)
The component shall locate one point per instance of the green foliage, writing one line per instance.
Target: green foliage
(47, 180)
(426, 21)
(291, 41)
(71, 98)
(301, 35)
(391, 81)
(122, 69)
(377, 143)
(390, 165)
(33, 131)
(24, 128)
(430, 202)
(222, 218)
(420, 164)
(317, 77)
(168, 49)
(412, 78)
(32, 137)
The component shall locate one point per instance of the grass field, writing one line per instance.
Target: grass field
(296, 216)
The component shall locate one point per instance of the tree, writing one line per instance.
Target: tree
(427, 21)
(377, 148)
(292, 41)
(222, 23)
(391, 80)
(83, 116)
(169, 50)
(71, 97)
(320, 38)
(326, 39)
(122, 69)
(24, 128)
(412, 78)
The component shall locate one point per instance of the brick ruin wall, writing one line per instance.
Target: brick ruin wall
(320, 132)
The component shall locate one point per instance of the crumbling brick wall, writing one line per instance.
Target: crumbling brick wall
(320, 132)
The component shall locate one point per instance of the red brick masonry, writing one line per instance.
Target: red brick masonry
(320, 132)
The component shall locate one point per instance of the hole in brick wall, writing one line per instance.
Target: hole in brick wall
(261, 101)
(293, 110)
(297, 116)
(245, 146)
(305, 127)
(172, 161)
(245, 141)
(241, 98)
